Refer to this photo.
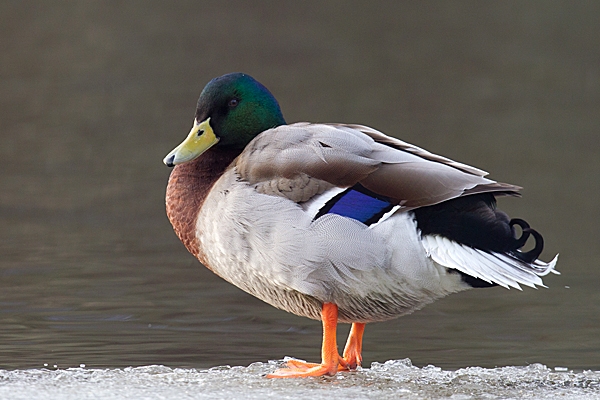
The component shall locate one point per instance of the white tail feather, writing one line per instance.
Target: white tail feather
(498, 268)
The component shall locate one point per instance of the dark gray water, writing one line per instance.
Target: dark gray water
(94, 94)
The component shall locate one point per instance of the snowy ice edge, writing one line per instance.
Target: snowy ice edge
(392, 379)
(387, 366)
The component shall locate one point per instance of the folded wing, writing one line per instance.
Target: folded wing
(302, 160)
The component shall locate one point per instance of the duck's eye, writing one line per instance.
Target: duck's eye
(233, 103)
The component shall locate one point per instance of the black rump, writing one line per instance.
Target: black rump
(474, 221)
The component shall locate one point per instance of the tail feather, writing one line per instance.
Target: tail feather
(504, 269)
(527, 231)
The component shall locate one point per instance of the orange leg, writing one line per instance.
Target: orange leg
(352, 352)
(329, 353)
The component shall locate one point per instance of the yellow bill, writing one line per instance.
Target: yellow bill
(200, 139)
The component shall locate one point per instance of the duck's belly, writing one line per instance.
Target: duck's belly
(271, 248)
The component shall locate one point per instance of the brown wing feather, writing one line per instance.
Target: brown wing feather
(411, 148)
(301, 160)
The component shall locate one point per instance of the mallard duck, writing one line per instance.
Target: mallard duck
(336, 222)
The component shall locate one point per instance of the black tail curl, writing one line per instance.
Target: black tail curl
(475, 221)
(531, 255)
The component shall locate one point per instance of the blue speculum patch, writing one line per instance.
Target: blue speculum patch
(357, 205)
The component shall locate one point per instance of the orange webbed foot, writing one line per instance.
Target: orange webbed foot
(329, 354)
(352, 358)
(301, 369)
(332, 361)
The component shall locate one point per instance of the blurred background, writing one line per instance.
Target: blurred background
(93, 94)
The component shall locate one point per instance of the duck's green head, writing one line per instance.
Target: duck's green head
(232, 110)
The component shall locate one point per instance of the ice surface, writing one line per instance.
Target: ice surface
(396, 379)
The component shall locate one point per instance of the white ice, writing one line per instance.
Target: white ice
(397, 379)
